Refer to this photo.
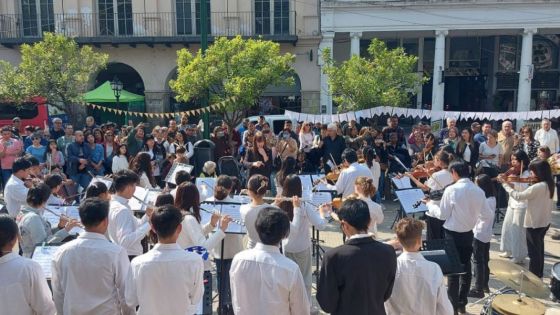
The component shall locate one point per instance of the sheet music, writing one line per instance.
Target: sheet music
(72, 212)
(43, 255)
(408, 197)
(402, 183)
(69, 211)
(151, 196)
(241, 199)
(321, 185)
(306, 182)
(205, 187)
(224, 209)
(139, 193)
(319, 198)
(51, 218)
(107, 181)
(176, 167)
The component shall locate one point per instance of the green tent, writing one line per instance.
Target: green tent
(104, 95)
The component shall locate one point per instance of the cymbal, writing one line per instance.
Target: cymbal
(511, 304)
(519, 278)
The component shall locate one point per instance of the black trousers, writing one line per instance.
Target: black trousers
(434, 228)
(481, 256)
(458, 286)
(535, 247)
(224, 288)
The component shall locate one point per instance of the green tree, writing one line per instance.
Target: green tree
(10, 83)
(386, 78)
(55, 68)
(235, 71)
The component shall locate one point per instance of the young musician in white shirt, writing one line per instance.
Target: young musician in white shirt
(263, 281)
(15, 190)
(257, 186)
(437, 181)
(89, 273)
(365, 189)
(347, 178)
(233, 244)
(302, 215)
(23, 286)
(167, 279)
(461, 206)
(419, 287)
(482, 237)
(124, 228)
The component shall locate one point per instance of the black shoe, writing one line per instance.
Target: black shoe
(475, 293)
(461, 310)
(486, 290)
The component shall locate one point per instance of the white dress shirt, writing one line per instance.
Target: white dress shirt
(418, 288)
(483, 228)
(166, 280)
(23, 287)
(15, 195)
(249, 217)
(539, 204)
(88, 276)
(125, 229)
(347, 179)
(461, 204)
(233, 243)
(299, 238)
(437, 181)
(194, 234)
(263, 281)
(376, 215)
(376, 172)
(548, 138)
(120, 162)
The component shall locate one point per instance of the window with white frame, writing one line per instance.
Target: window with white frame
(37, 17)
(272, 17)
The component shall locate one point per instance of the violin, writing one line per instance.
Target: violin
(426, 170)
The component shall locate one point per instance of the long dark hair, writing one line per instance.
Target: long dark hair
(522, 157)
(542, 170)
(369, 155)
(461, 146)
(292, 187)
(142, 163)
(288, 167)
(48, 149)
(188, 199)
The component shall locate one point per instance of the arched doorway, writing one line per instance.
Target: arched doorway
(277, 98)
(132, 82)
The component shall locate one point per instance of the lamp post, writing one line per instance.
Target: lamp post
(117, 86)
(203, 47)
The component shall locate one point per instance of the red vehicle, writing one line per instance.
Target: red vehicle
(32, 113)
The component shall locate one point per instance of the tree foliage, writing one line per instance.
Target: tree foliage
(55, 68)
(235, 70)
(386, 78)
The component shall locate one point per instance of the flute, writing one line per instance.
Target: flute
(144, 203)
(239, 222)
(60, 215)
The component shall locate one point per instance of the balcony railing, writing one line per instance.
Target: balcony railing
(165, 27)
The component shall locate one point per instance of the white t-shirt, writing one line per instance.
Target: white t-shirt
(486, 150)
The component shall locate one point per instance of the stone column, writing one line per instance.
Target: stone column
(355, 43)
(525, 69)
(326, 98)
(156, 102)
(438, 88)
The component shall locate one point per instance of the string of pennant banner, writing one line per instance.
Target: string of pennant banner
(191, 112)
(422, 113)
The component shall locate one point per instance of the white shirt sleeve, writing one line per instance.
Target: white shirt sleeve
(198, 284)
(190, 150)
(130, 293)
(122, 271)
(58, 290)
(19, 194)
(40, 298)
(195, 231)
(299, 302)
(446, 205)
(314, 217)
(444, 306)
(128, 231)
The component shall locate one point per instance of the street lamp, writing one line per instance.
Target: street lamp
(117, 86)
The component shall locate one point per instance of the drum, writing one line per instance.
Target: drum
(555, 281)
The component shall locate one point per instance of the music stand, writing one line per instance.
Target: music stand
(408, 203)
(242, 230)
(444, 253)
(317, 250)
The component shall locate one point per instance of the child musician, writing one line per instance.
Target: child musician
(419, 287)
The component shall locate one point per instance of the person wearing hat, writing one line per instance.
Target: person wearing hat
(208, 170)
(16, 125)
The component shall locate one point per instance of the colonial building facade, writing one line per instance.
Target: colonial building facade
(142, 39)
(480, 55)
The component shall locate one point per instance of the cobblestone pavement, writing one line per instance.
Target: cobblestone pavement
(333, 237)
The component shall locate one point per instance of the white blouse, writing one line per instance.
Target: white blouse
(539, 204)
(120, 162)
(194, 234)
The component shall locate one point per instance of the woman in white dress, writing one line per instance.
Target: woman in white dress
(437, 181)
(365, 189)
(513, 240)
